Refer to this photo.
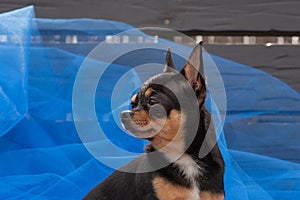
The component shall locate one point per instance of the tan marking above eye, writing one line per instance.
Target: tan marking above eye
(148, 92)
(133, 99)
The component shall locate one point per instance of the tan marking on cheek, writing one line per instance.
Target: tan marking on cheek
(141, 118)
(133, 99)
(210, 196)
(170, 131)
(148, 92)
(168, 191)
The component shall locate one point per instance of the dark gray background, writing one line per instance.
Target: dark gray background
(247, 17)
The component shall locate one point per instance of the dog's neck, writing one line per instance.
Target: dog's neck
(188, 164)
(183, 169)
(204, 122)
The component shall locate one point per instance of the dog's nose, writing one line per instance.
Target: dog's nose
(126, 114)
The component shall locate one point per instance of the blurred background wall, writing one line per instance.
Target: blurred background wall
(262, 34)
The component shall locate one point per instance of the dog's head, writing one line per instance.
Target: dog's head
(166, 103)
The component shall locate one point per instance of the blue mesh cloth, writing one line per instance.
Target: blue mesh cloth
(14, 61)
(42, 156)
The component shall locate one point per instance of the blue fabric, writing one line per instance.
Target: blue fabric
(14, 59)
(42, 156)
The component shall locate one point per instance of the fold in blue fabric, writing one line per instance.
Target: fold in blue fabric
(42, 155)
(15, 27)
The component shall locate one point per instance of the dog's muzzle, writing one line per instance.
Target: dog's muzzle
(127, 114)
(126, 117)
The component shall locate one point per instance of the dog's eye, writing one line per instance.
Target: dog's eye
(132, 105)
(153, 101)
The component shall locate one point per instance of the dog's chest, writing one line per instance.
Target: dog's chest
(189, 168)
(166, 190)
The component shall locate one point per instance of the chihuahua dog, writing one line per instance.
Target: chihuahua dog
(169, 110)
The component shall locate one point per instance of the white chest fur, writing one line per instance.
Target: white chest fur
(190, 169)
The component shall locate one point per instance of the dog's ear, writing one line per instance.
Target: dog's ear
(170, 67)
(193, 71)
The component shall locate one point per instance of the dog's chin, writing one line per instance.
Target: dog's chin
(145, 132)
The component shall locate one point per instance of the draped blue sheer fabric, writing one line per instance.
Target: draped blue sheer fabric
(15, 27)
(42, 156)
